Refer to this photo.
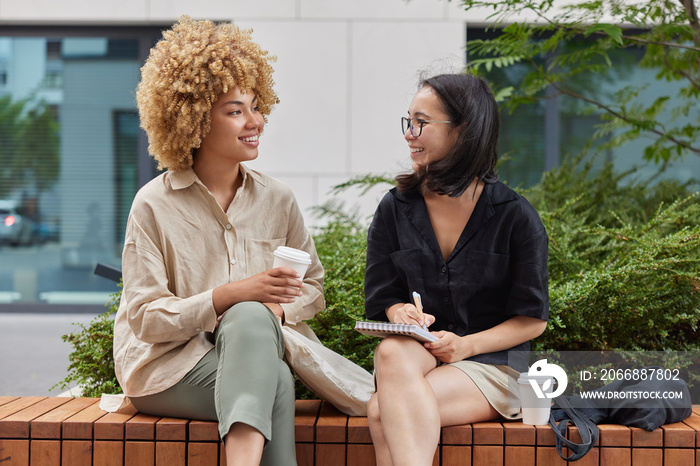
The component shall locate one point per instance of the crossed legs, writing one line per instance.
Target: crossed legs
(415, 397)
(254, 388)
(244, 384)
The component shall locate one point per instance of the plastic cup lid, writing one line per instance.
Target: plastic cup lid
(292, 254)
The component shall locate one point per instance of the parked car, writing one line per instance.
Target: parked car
(15, 228)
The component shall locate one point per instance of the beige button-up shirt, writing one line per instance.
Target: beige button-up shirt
(179, 246)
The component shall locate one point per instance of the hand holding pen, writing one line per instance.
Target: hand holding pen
(406, 313)
(419, 307)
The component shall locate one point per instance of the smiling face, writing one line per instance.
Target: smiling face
(236, 124)
(436, 139)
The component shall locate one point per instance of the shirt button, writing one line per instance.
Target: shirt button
(198, 329)
(444, 269)
(233, 261)
(450, 327)
(446, 299)
(228, 227)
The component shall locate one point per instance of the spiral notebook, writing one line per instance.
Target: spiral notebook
(384, 329)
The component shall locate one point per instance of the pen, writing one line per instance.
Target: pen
(419, 307)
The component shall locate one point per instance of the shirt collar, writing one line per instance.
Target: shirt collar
(416, 211)
(496, 192)
(186, 178)
(182, 179)
(499, 193)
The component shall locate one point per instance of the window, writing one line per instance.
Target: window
(126, 129)
(536, 137)
(71, 158)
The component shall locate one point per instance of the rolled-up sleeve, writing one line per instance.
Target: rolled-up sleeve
(154, 313)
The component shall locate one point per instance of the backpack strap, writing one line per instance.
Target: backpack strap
(587, 428)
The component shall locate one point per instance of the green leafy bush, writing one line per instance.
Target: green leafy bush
(91, 361)
(342, 247)
(624, 260)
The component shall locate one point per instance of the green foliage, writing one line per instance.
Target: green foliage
(624, 272)
(574, 50)
(91, 361)
(624, 260)
(342, 248)
(29, 146)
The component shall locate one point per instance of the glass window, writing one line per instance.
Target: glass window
(536, 137)
(126, 132)
(70, 152)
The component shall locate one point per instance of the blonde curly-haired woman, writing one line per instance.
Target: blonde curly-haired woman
(198, 330)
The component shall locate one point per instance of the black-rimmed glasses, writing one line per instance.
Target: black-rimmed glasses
(416, 127)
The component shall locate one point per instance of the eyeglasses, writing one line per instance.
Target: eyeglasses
(416, 127)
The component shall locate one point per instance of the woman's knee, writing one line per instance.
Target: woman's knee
(373, 410)
(247, 313)
(247, 316)
(250, 321)
(393, 350)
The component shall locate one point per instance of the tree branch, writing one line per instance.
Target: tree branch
(616, 114)
(654, 42)
(682, 72)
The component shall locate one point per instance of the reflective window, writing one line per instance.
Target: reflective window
(536, 137)
(71, 160)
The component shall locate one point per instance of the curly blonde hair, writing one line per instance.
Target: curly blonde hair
(186, 71)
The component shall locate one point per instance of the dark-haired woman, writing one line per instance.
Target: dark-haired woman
(476, 252)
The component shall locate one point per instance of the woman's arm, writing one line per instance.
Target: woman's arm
(512, 332)
(154, 313)
(274, 286)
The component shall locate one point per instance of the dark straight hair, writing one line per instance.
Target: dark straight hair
(470, 106)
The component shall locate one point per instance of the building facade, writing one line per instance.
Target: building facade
(345, 74)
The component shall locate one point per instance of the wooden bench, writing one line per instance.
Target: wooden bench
(74, 431)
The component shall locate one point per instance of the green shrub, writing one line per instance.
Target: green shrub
(91, 361)
(624, 256)
(342, 247)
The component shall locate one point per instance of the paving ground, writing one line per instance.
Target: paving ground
(33, 357)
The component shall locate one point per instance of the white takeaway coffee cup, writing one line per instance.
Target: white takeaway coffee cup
(292, 258)
(535, 409)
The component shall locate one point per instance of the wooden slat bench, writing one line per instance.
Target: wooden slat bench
(74, 431)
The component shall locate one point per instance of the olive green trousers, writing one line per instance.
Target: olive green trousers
(244, 379)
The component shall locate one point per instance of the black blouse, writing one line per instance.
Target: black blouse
(497, 270)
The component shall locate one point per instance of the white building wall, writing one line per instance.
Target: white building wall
(345, 74)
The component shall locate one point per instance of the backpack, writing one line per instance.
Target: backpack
(633, 403)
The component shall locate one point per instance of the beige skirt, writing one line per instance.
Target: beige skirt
(498, 383)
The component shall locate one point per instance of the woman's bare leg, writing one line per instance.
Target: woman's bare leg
(459, 399)
(244, 445)
(415, 399)
(408, 421)
(381, 448)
